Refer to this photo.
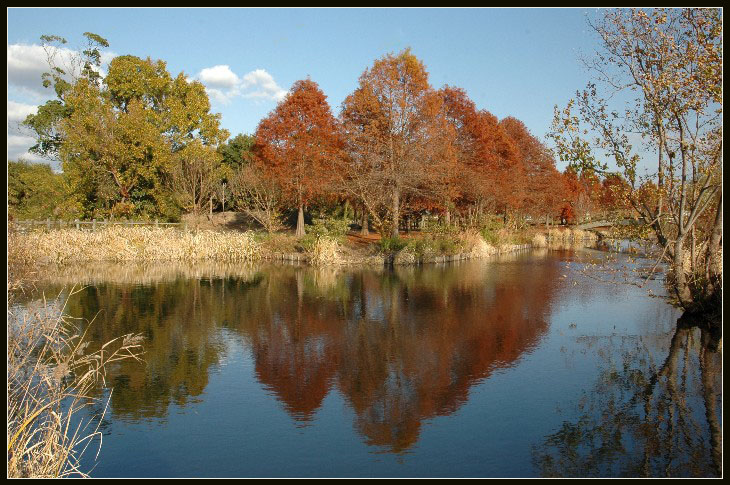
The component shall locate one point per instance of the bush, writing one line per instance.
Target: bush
(490, 235)
(307, 243)
(333, 227)
(491, 232)
(392, 244)
(438, 229)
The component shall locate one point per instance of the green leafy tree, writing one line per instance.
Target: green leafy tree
(63, 74)
(121, 139)
(36, 192)
(238, 151)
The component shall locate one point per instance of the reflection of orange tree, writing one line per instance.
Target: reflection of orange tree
(434, 342)
(402, 346)
(294, 345)
(643, 421)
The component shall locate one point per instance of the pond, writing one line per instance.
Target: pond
(537, 363)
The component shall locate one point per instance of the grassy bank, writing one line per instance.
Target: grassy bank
(118, 243)
(150, 244)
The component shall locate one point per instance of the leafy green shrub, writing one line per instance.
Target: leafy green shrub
(447, 245)
(333, 227)
(389, 244)
(420, 246)
(307, 243)
(439, 229)
(490, 235)
(491, 231)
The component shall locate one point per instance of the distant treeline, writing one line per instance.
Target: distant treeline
(141, 143)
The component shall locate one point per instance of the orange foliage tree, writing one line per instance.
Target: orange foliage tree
(297, 144)
(395, 135)
(486, 170)
(539, 182)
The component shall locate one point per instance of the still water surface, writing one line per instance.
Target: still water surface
(528, 364)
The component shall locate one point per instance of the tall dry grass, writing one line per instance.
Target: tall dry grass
(475, 245)
(118, 243)
(326, 251)
(51, 376)
(571, 237)
(539, 241)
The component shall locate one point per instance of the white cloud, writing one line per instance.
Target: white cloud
(260, 84)
(26, 64)
(219, 77)
(222, 84)
(18, 146)
(17, 112)
(19, 142)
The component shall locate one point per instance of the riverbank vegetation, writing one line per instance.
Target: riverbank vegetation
(322, 246)
(53, 370)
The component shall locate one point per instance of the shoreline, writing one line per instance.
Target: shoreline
(163, 245)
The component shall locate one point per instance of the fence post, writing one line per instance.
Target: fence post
(185, 226)
(157, 223)
(48, 223)
(93, 225)
(77, 223)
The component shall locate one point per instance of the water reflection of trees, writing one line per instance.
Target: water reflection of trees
(646, 420)
(401, 346)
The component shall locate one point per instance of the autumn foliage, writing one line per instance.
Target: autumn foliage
(298, 143)
(142, 142)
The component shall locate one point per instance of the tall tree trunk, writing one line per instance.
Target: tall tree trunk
(396, 211)
(714, 258)
(447, 217)
(300, 222)
(680, 278)
(364, 231)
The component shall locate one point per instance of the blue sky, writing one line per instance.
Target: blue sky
(512, 62)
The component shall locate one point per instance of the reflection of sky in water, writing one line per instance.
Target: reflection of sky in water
(457, 370)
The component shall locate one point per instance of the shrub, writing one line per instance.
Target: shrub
(333, 227)
(392, 244)
(438, 229)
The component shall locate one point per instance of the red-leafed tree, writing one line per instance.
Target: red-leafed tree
(297, 145)
(540, 190)
(486, 169)
(612, 199)
(579, 193)
(500, 158)
(395, 135)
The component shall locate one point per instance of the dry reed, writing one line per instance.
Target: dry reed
(118, 243)
(539, 241)
(51, 376)
(571, 237)
(325, 251)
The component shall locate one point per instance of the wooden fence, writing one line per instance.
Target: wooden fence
(91, 225)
